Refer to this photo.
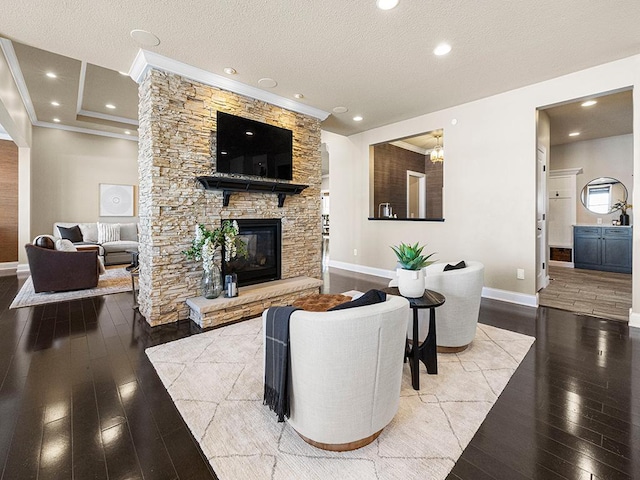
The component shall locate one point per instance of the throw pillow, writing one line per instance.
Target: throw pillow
(108, 232)
(457, 266)
(319, 302)
(89, 232)
(72, 234)
(45, 241)
(64, 245)
(369, 298)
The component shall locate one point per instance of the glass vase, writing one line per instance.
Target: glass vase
(211, 282)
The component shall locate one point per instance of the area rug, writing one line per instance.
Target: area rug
(215, 380)
(114, 280)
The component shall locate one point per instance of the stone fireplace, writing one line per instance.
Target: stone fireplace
(177, 144)
(262, 262)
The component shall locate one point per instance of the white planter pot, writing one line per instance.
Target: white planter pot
(411, 282)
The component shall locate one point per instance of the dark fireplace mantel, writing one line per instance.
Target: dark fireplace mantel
(230, 185)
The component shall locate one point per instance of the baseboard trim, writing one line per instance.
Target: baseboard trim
(493, 293)
(557, 263)
(510, 297)
(352, 267)
(634, 319)
(8, 268)
(23, 269)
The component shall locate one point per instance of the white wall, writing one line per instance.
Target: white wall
(67, 168)
(602, 157)
(490, 182)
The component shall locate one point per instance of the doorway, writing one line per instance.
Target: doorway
(590, 139)
(416, 194)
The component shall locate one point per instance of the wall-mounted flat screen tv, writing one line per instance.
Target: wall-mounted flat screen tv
(253, 148)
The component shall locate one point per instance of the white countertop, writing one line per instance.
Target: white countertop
(601, 225)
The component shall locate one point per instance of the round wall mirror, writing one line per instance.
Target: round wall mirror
(601, 194)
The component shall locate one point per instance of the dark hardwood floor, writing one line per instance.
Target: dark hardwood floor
(79, 398)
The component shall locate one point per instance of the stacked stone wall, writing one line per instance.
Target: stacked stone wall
(177, 143)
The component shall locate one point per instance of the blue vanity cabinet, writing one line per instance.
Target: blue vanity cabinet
(602, 248)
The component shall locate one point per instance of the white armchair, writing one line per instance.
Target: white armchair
(457, 319)
(346, 371)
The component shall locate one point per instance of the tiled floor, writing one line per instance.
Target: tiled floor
(602, 294)
(80, 400)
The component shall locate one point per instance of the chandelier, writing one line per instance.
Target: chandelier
(437, 154)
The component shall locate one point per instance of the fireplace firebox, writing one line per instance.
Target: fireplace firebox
(262, 262)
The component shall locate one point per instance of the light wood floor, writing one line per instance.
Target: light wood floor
(603, 294)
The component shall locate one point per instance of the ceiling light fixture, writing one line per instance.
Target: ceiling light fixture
(357, 118)
(340, 110)
(51, 75)
(145, 38)
(127, 132)
(298, 95)
(57, 120)
(230, 71)
(110, 106)
(442, 49)
(386, 4)
(437, 154)
(267, 82)
(589, 103)
(574, 134)
(55, 104)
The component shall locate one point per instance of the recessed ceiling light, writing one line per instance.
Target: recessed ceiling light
(110, 106)
(55, 104)
(123, 73)
(127, 132)
(589, 103)
(340, 110)
(230, 71)
(298, 95)
(454, 121)
(574, 134)
(51, 75)
(145, 38)
(357, 118)
(386, 4)
(57, 120)
(267, 82)
(442, 49)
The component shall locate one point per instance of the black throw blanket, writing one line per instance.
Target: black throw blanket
(276, 364)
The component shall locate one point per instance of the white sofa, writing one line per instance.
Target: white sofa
(346, 371)
(112, 253)
(457, 319)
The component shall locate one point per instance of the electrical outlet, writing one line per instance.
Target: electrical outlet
(520, 273)
(355, 252)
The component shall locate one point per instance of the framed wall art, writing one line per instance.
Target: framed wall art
(116, 200)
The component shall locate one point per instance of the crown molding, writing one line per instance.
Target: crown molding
(565, 172)
(106, 116)
(88, 131)
(16, 73)
(146, 60)
(410, 147)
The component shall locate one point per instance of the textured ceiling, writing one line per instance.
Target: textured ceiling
(377, 63)
(612, 115)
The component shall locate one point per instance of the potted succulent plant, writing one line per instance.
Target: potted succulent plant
(622, 206)
(410, 271)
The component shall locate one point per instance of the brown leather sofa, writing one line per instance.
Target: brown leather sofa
(58, 271)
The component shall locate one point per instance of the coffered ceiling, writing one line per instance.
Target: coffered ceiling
(377, 64)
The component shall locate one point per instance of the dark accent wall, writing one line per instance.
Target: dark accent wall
(8, 201)
(434, 188)
(390, 165)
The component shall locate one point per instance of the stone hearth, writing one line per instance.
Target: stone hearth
(251, 301)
